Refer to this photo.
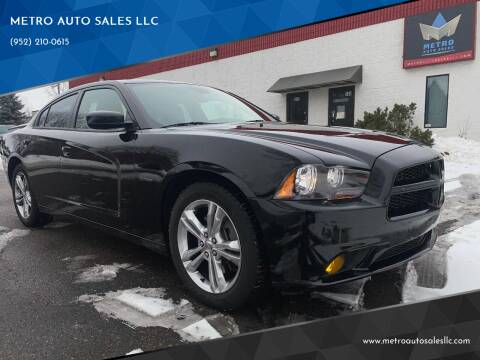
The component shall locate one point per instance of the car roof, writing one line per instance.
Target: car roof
(127, 81)
(113, 82)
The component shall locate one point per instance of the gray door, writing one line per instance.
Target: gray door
(297, 108)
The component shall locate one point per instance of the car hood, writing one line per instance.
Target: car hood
(363, 145)
(332, 145)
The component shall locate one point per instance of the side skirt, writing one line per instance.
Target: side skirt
(157, 243)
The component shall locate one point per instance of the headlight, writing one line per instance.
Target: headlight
(320, 182)
(305, 180)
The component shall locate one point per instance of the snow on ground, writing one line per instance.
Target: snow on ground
(452, 185)
(152, 306)
(8, 236)
(140, 307)
(462, 266)
(136, 311)
(135, 351)
(199, 331)
(444, 271)
(461, 156)
(78, 262)
(99, 273)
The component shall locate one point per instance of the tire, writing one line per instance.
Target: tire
(32, 217)
(240, 283)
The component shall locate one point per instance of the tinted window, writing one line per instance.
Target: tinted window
(168, 104)
(98, 100)
(42, 117)
(436, 102)
(60, 113)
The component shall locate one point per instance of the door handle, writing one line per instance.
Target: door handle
(66, 151)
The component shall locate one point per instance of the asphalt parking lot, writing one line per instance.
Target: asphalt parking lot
(71, 292)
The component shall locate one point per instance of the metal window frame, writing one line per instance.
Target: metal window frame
(427, 101)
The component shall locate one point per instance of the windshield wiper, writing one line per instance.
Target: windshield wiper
(255, 121)
(187, 124)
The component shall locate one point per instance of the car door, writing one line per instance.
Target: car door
(96, 165)
(43, 143)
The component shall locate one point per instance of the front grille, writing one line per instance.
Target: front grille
(414, 201)
(404, 249)
(419, 173)
(408, 203)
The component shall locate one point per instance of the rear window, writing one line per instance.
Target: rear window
(60, 114)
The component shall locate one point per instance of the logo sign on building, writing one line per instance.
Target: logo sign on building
(441, 36)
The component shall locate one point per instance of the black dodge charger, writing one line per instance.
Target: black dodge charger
(239, 200)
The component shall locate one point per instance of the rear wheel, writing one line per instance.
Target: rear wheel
(24, 200)
(214, 246)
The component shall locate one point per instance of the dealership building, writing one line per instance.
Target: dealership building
(329, 73)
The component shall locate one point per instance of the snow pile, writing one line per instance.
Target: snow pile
(461, 156)
(462, 263)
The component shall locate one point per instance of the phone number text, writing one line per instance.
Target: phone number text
(27, 41)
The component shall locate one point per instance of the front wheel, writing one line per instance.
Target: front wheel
(214, 246)
(24, 201)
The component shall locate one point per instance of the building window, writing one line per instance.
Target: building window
(436, 101)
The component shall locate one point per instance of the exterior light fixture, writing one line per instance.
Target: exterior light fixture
(213, 53)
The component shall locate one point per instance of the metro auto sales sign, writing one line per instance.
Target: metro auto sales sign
(442, 36)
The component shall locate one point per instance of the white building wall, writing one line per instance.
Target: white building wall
(379, 48)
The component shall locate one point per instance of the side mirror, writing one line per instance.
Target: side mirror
(106, 120)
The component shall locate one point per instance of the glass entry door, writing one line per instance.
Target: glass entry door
(341, 104)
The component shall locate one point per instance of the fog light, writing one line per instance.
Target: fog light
(335, 265)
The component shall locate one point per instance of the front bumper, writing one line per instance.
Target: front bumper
(302, 237)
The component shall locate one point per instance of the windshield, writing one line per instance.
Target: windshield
(170, 104)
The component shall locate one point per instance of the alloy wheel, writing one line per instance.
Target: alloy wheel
(209, 246)
(23, 197)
